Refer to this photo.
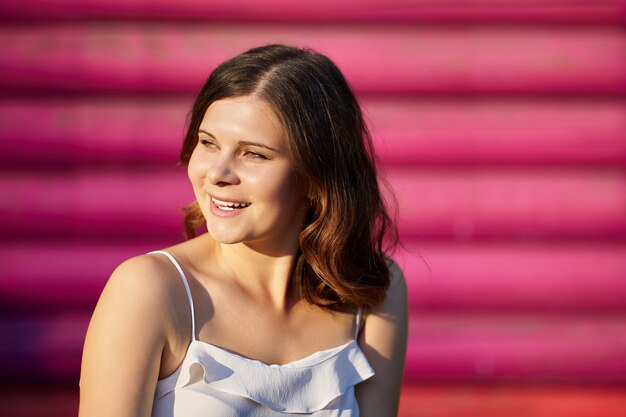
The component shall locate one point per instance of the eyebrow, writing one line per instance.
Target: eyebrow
(243, 142)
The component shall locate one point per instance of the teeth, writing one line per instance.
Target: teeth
(229, 205)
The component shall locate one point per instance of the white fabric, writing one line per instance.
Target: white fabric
(214, 382)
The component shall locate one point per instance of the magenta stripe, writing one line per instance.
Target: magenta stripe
(400, 59)
(485, 130)
(82, 130)
(526, 276)
(451, 11)
(526, 203)
(104, 202)
(533, 347)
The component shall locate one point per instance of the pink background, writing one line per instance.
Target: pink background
(500, 125)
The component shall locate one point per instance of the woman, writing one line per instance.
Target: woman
(286, 305)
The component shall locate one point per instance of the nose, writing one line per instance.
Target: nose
(222, 171)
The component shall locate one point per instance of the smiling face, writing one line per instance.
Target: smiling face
(242, 176)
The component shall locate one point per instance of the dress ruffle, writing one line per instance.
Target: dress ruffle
(303, 386)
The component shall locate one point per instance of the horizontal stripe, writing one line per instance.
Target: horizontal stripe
(177, 57)
(606, 11)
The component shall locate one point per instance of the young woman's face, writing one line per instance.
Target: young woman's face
(242, 176)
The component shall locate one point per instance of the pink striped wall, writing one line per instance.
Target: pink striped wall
(501, 127)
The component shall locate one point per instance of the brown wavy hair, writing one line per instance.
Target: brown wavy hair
(341, 262)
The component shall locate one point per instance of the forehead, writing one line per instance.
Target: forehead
(242, 116)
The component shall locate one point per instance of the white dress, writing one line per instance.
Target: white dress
(213, 382)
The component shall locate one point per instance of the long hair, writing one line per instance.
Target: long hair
(341, 262)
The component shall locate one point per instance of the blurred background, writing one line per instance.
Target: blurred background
(500, 124)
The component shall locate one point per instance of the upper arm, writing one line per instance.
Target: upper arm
(383, 340)
(124, 342)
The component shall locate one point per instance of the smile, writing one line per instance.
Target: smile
(229, 205)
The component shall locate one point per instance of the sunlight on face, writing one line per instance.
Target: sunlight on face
(243, 178)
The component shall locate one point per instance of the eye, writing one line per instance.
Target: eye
(207, 143)
(254, 155)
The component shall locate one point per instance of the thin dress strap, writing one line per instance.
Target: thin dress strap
(187, 289)
(357, 325)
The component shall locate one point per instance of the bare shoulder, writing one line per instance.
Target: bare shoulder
(145, 280)
(384, 340)
(397, 291)
(150, 285)
(149, 268)
(391, 314)
(139, 296)
(125, 339)
(146, 267)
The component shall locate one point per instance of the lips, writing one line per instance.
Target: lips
(229, 205)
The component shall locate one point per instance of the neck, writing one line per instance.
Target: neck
(264, 274)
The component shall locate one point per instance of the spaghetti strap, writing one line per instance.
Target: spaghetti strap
(357, 324)
(187, 289)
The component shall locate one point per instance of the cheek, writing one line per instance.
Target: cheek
(255, 176)
(280, 188)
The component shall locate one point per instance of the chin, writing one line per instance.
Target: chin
(227, 237)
